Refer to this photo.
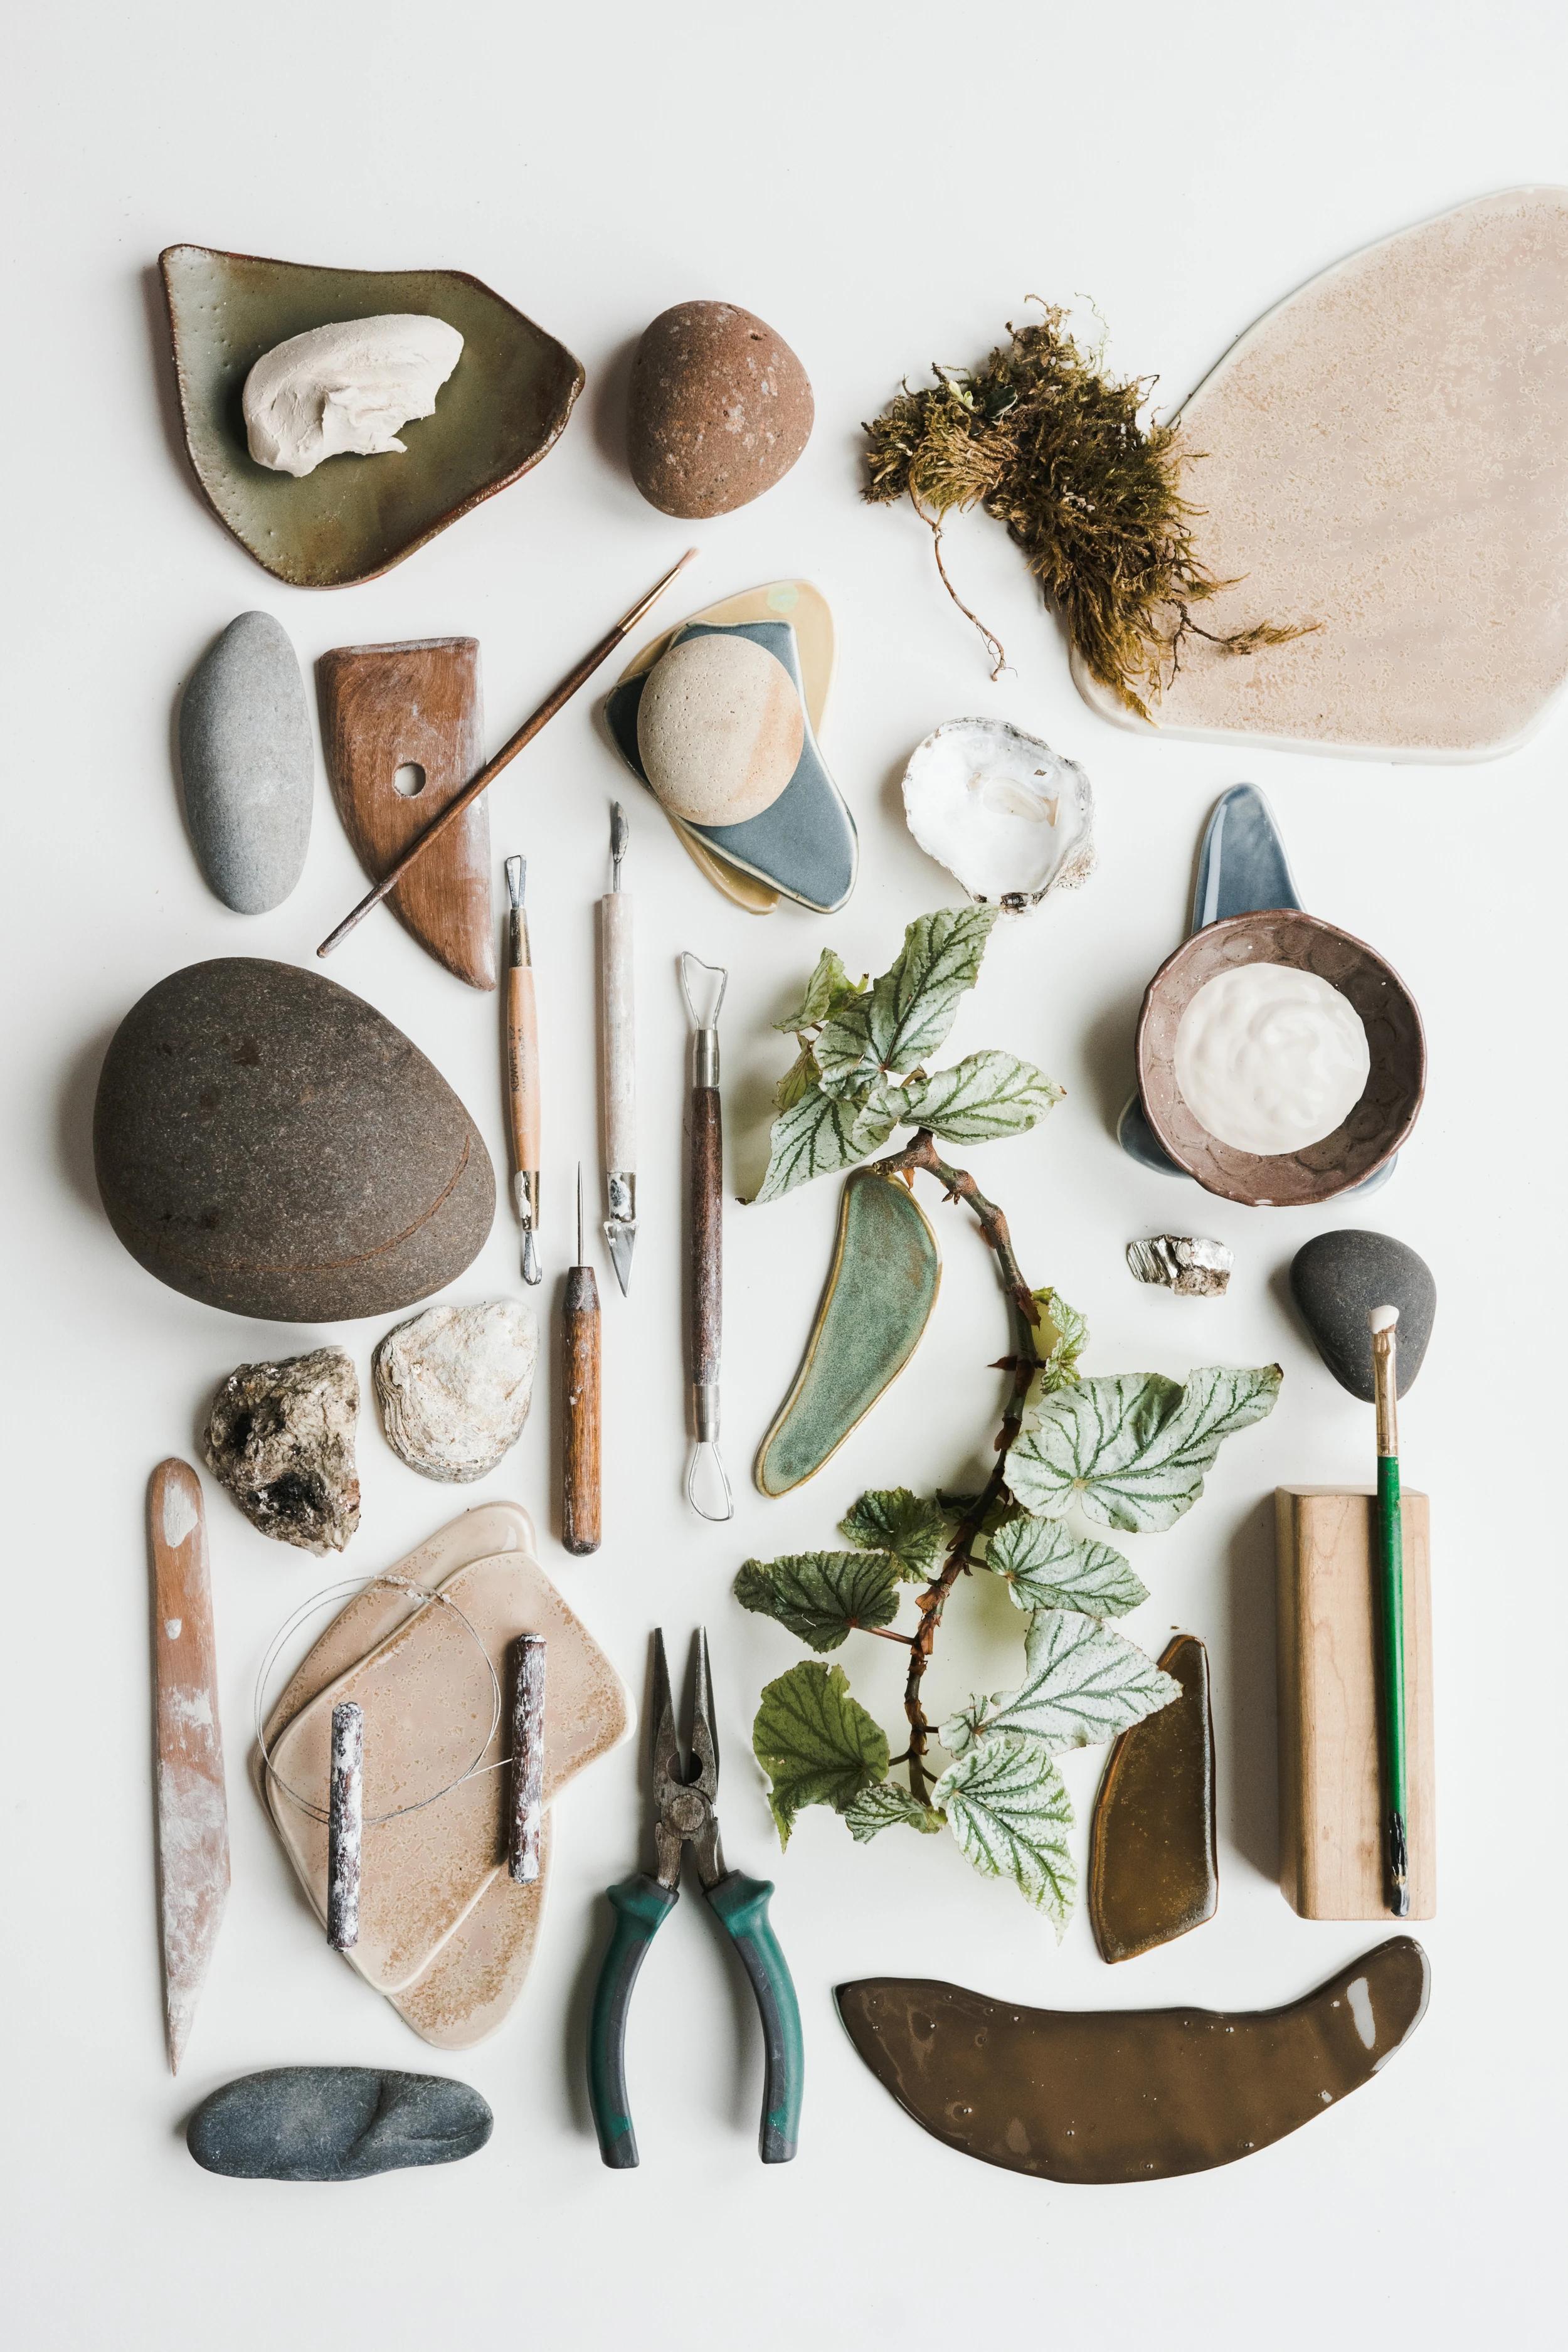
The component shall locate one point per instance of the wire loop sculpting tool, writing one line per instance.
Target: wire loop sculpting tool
(683, 1815)
(617, 1056)
(522, 1067)
(706, 1481)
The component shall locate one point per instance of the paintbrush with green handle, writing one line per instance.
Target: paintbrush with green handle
(1389, 1571)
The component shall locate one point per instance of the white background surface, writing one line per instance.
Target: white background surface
(885, 186)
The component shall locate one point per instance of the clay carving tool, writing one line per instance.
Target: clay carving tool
(1382, 1323)
(522, 1067)
(527, 1759)
(345, 1824)
(618, 1061)
(580, 1479)
(684, 1802)
(191, 1807)
(707, 1484)
(509, 750)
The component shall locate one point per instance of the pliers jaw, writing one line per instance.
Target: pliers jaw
(684, 1797)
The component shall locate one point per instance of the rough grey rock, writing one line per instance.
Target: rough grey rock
(267, 1143)
(247, 764)
(335, 2123)
(281, 1438)
(1336, 1280)
(454, 1386)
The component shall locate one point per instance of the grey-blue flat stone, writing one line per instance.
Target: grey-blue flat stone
(247, 764)
(335, 2123)
(1336, 1280)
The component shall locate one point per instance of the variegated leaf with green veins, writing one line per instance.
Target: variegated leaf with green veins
(797, 1080)
(883, 1805)
(815, 1742)
(1007, 1806)
(983, 1096)
(1133, 1451)
(1082, 1685)
(1047, 1567)
(822, 1596)
(818, 1136)
(893, 1521)
(829, 987)
(1060, 1340)
(911, 1007)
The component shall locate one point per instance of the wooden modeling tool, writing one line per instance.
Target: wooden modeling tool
(707, 1484)
(580, 1481)
(345, 1824)
(617, 1058)
(1383, 1322)
(192, 1807)
(522, 1067)
(527, 1818)
(509, 750)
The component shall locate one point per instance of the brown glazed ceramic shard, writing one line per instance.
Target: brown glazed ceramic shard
(1103, 2095)
(503, 407)
(1153, 1869)
(390, 709)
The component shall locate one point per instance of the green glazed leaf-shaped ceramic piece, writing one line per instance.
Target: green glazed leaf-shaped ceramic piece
(502, 408)
(880, 1291)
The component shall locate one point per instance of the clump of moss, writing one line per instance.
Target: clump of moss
(1046, 441)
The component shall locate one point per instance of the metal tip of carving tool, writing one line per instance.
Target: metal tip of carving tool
(580, 1257)
(530, 1268)
(516, 879)
(620, 1233)
(620, 841)
(1398, 1867)
(708, 1481)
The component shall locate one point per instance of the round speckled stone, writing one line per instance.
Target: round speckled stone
(335, 2123)
(267, 1143)
(719, 409)
(719, 730)
(247, 764)
(1336, 1279)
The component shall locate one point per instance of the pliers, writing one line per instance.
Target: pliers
(683, 1815)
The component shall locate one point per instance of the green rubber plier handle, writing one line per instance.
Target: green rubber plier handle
(641, 1906)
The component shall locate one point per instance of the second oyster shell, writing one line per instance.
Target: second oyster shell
(1007, 817)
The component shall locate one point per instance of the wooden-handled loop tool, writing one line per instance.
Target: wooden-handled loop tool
(706, 1481)
(521, 1017)
(580, 1477)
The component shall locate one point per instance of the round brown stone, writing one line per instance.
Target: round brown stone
(270, 1143)
(721, 409)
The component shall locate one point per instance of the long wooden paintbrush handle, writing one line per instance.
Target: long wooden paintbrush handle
(522, 1068)
(580, 1479)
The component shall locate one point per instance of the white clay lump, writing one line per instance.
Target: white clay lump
(1007, 817)
(1270, 1058)
(345, 390)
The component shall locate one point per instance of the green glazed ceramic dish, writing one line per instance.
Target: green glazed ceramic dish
(505, 406)
(880, 1291)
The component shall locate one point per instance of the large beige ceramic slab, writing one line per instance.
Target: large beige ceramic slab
(1386, 453)
(428, 1702)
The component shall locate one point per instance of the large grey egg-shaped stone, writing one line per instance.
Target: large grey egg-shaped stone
(267, 1143)
(335, 2123)
(1336, 1280)
(719, 409)
(247, 764)
(721, 728)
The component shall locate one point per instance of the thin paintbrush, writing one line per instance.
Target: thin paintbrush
(522, 1067)
(1390, 1573)
(509, 750)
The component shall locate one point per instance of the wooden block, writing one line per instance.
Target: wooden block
(1330, 1801)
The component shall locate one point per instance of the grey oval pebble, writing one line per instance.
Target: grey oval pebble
(268, 1142)
(719, 728)
(247, 764)
(1336, 1279)
(335, 2123)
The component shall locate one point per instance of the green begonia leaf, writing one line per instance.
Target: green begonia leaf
(983, 1096)
(822, 1596)
(1082, 1685)
(1007, 1805)
(1133, 1450)
(884, 1804)
(911, 1007)
(815, 1742)
(818, 1136)
(1049, 1568)
(1061, 1339)
(891, 1519)
(828, 987)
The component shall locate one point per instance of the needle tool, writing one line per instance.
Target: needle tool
(617, 1058)
(580, 1480)
(706, 1487)
(521, 1018)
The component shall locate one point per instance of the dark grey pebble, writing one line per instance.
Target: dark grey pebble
(267, 1143)
(335, 2123)
(247, 764)
(1336, 1280)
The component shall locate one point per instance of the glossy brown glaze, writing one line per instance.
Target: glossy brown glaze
(1104, 2094)
(1153, 1869)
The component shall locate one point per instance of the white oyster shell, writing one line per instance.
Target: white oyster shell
(454, 1386)
(1006, 814)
